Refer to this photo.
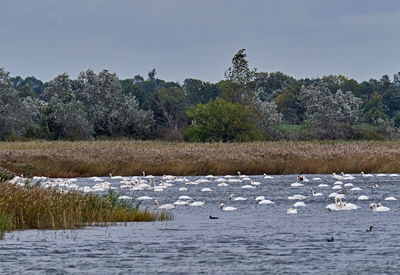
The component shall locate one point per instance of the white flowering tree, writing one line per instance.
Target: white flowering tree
(331, 114)
(66, 115)
(108, 109)
(266, 116)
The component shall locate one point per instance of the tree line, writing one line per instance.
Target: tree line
(247, 105)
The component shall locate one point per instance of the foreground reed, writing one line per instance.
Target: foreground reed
(33, 207)
(128, 157)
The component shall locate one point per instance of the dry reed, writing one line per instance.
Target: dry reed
(32, 207)
(125, 157)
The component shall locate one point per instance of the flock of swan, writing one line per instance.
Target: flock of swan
(342, 185)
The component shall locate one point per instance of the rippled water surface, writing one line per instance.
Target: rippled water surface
(253, 239)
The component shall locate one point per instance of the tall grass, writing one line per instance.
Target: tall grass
(126, 157)
(37, 208)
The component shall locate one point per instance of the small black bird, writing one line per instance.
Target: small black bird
(330, 240)
(370, 229)
(213, 217)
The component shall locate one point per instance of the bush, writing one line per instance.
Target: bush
(220, 120)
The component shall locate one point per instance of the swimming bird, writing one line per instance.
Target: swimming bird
(291, 211)
(213, 217)
(267, 176)
(164, 206)
(363, 198)
(370, 229)
(330, 240)
(197, 203)
(206, 190)
(227, 208)
(266, 202)
(185, 198)
(232, 197)
(302, 178)
(375, 185)
(315, 194)
(296, 197)
(260, 198)
(296, 184)
(323, 185)
(299, 204)
(340, 205)
(378, 207)
(390, 199)
(143, 198)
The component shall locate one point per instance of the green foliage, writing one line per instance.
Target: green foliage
(197, 91)
(219, 120)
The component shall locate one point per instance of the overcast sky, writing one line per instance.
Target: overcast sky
(198, 38)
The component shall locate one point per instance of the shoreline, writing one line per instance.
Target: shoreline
(129, 158)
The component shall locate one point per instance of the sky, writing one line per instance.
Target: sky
(198, 38)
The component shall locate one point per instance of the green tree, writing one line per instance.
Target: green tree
(240, 78)
(197, 91)
(220, 120)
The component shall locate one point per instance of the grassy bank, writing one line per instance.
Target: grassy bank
(38, 208)
(100, 158)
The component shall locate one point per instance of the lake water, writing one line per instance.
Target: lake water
(253, 239)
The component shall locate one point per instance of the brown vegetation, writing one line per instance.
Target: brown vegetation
(100, 158)
(32, 207)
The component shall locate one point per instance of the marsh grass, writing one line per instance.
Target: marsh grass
(127, 157)
(33, 207)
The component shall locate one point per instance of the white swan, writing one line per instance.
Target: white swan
(185, 198)
(296, 197)
(124, 198)
(248, 187)
(164, 206)
(336, 195)
(260, 198)
(234, 198)
(363, 198)
(291, 211)
(336, 187)
(355, 189)
(143, 198)
(197, 203)
(378, 207)
(390, 199)
(266, 202)
(182, 189)
(323, 185)
(299, 204)
(222, 184)
(366, 175)
(340, 205)
(315, 194)
(296, 184)
(180, 202)
(227, 208)
(206, 190)
(255, 183)
(267, 176)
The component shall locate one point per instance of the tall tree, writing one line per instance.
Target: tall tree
(13, 119)
(66, 115)
(240, 77)
(330, 114)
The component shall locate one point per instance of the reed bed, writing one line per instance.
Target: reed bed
(128, 157)
(33, 207)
